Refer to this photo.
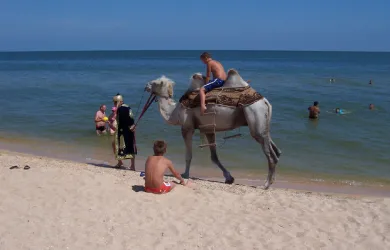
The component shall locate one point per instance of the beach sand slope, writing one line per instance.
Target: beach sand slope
(65, 205)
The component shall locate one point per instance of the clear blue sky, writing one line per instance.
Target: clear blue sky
(359, 25)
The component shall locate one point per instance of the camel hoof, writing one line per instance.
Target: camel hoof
(267, 184)
(185, 175)
(231, 181)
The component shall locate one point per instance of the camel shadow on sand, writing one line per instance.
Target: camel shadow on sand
(140, 188)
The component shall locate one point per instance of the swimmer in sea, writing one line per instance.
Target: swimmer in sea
(339, 111)
(314, 111)
(371, 106)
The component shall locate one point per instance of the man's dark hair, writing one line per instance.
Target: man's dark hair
(315, 103)
(159, 147)
(205, 55)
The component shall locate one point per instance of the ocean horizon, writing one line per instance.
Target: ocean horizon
(256, 50)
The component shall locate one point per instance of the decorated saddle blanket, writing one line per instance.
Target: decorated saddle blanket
(232, 97)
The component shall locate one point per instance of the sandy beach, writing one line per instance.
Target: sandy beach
(66, 205)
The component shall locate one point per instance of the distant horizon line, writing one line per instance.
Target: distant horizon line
(121, 50)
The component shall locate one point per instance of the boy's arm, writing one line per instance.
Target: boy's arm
(177, 175)
(208, 73)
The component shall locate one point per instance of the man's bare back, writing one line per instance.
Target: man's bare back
(314, 111)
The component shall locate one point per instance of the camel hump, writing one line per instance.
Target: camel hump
(232, 72)
(234, 80)
(197, 76)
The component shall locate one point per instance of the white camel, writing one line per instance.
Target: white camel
(256, 116)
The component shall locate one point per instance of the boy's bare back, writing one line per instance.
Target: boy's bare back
(216, 69)
(155, 168)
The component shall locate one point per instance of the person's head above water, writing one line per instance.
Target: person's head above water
(337, 110)
(159, 148)
(103, 108)
(315, 103)
(371, 106)
(205, 57)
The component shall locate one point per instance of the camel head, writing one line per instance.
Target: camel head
(161, 87)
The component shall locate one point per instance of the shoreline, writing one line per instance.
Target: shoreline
(280, 183)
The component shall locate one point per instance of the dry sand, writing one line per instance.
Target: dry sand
(65, 205)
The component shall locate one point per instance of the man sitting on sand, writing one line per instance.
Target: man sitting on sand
(155, 168)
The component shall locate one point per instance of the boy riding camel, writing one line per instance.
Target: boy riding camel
(219, 78)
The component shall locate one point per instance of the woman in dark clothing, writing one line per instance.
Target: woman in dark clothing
(124, 138)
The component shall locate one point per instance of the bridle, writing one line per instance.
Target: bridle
(152, 98)
(149, 102)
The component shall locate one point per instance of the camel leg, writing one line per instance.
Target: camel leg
(258, 118)
(214, 158)
(187, 136)
(277, 151)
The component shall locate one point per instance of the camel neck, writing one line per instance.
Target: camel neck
(168, 109)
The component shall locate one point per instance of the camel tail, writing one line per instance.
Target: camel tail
(275, 150)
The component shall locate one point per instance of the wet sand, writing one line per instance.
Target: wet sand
(103, 156)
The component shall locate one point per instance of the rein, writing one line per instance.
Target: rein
(149, 102)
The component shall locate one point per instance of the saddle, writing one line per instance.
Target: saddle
(231, 97)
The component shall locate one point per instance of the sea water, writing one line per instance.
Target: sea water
(49, 99)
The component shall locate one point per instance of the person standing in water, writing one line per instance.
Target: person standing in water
(100, 123)
(124, 139)
(112, 124)
(314, 111)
